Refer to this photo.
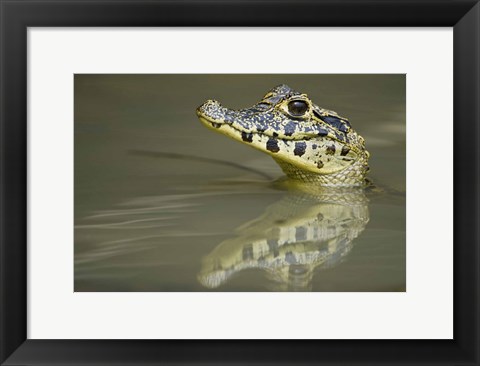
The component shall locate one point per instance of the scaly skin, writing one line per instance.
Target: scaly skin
(311, 144)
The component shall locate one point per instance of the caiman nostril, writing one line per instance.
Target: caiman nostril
(212, 103)
(212, 111)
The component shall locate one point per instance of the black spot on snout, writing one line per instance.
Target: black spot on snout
(322, 131)
(340, 136)
(247, 136)
(272, 145)
(345, 150)
(290, 128)
(300, 148)
(330, 150)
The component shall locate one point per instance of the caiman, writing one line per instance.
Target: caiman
(311, 144)
(325, 207)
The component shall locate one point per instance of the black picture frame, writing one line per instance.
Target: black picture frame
(17, 15)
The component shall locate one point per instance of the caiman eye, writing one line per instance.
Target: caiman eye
(297, 108)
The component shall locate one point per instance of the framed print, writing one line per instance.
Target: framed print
(227, 183)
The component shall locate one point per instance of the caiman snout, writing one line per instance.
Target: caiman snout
(213, 111)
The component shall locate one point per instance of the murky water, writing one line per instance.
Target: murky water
(164, 204)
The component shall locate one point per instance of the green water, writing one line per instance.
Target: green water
(164, 204)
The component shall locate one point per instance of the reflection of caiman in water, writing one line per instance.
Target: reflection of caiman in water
(325, 208)
(294, 237)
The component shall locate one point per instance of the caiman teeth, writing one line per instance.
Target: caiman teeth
(216, 125)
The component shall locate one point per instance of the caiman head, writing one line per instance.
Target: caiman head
(311, 144)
